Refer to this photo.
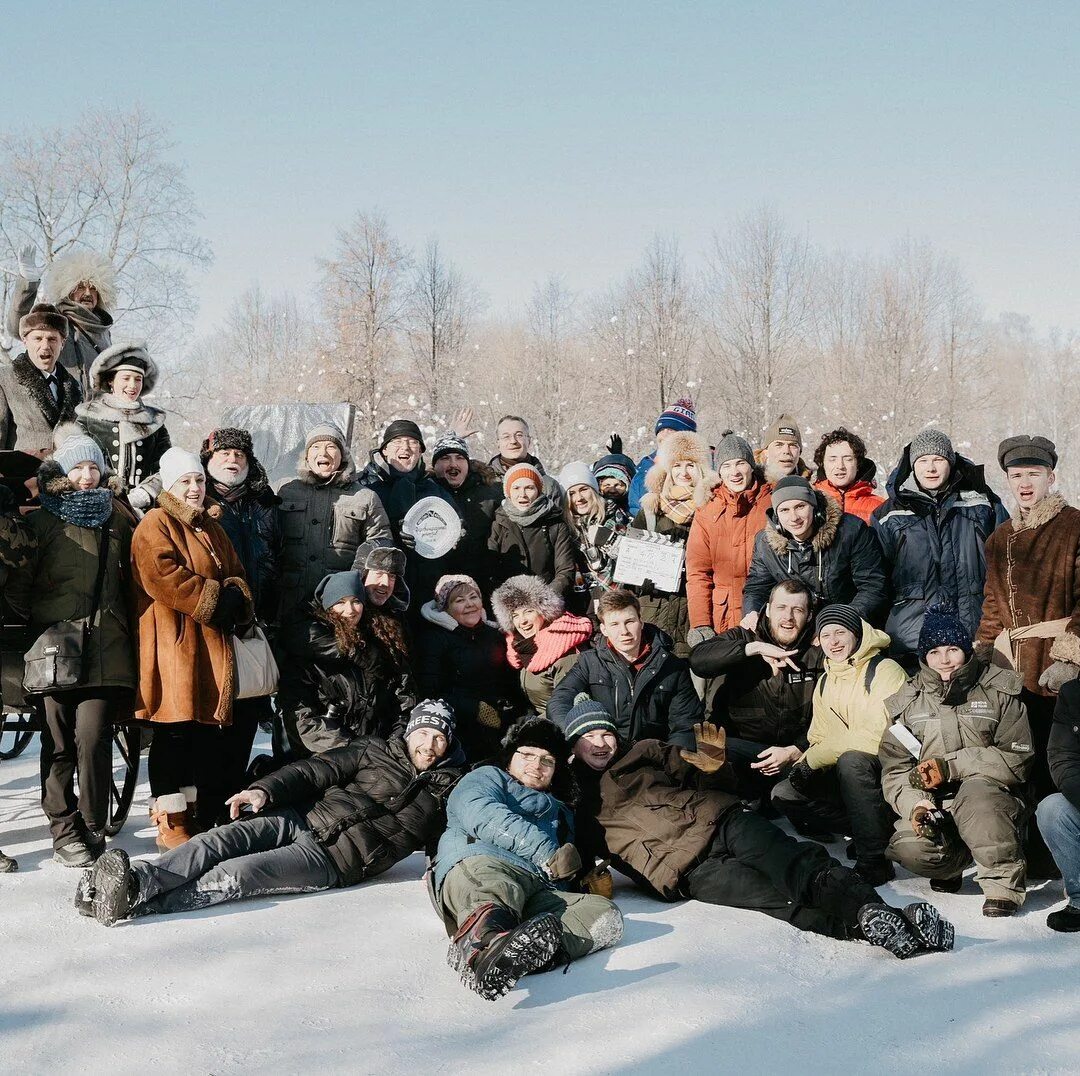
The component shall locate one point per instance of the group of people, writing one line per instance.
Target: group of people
(900, 668)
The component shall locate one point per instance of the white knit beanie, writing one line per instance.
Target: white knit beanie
(177, 462)
(577, 474)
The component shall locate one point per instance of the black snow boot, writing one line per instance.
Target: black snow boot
(115, 887)
(947, 885)
(491, 950)
(875, 871)
(886, 927)
(73, 854)
(934, 932)
(7, 864)
(839, 891)
(1065, 919)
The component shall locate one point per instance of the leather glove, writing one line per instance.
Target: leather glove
(647, 589)
(929, 774)
(28, 266)
(1058, 675)
(801, 776)
(487, 716)
(699, 635)
(408, 542)
(711, 751)
(599, 882)
(925, 824)
(228, 611)
(565, 863)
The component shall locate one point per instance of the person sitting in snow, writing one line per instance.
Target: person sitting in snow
(671, 820)
(336, 819)
(503, 874)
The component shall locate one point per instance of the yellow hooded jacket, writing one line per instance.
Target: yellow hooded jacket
(847, 716)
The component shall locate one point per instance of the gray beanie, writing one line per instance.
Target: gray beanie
(793, 488)
(77, 449)
(733, 447)
(338, 585)
(931, 442)
(325, 431)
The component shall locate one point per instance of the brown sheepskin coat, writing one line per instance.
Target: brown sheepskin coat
(181, 559)
(1033, 575)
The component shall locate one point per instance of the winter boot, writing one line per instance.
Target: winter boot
(934, 933)
(7, 864)
(1065, 919)
(84, 893)
(947, 885)
(491, 951)
(840, 892)
(115, 887)
(73, 854)
(999, 907)
(173, 821)
(95, 841)
(886, 927)
(876, 871)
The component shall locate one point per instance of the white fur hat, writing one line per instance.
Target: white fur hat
(81, 267)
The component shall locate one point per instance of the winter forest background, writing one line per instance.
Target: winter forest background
(749, 316)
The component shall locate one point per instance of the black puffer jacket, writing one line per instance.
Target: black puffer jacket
(253, 525)
(841, 562)
(655, 700)
(366, 803)
(476, 500)
(753, 702)
(544, 549)
(935, 547)
(328, 699)
(468, 668)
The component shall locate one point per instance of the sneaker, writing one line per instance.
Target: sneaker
(935, 933)
(947, 885)
(7, 864)
(999, 907)
(886, 927)
(1065, 919)
(84, 893)
(73, 854)
(115, 887)
(875, 872)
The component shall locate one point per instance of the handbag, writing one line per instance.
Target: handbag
(256, 671)
(58, 656)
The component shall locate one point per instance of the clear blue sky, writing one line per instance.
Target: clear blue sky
(559, 137)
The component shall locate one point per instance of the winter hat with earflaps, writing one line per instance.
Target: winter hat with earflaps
(175, 463)
(336, 586)
(578, 474)
(434, 714)
(943, 627)
(544, 734)
(380, 555)
(586, 715)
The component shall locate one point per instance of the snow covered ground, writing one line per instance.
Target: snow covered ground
(356, 981)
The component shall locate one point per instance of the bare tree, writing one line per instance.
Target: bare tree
(108, 183)
(365, 297)
(441, 309)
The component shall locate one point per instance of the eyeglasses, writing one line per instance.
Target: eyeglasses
(545, 762)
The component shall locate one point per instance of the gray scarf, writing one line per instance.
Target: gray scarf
(535, 512)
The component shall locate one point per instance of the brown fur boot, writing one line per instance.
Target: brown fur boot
(173, 818)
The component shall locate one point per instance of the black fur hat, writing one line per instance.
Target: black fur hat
(545, 734)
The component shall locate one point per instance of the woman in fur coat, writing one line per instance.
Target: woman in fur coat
(542, 639)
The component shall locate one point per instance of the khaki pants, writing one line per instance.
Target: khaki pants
(987, 819)
(588, 922)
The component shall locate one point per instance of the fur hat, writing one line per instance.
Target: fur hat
(679, 416)
(43, 316)
(68, 271)
(578, 474)
(446, 586)
(525, 592)
(123, 357)
(175, 463)
(784, 428)
(77, 449)
(546, 735)
(380, 555)
(942, 626)
(679, 446)
(401, 427)
(228, 437)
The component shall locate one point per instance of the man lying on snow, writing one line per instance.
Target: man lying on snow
(506, 862)
(334, 819)
(670, 820)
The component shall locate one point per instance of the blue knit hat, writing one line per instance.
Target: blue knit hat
(679, 416)
(79, 449)
(943, 627)
(586, 715)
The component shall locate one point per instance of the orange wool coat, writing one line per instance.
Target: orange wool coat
(181, 558)
(719, 551)
(859, 499)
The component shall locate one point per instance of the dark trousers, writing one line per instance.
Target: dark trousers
(845, 798)
(210, 758)
(753, 784)
(76, 737)
(752, 864)
(263, 854)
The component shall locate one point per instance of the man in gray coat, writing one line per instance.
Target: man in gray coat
(36, 391)
(326, 515)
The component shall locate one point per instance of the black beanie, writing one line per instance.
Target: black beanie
(402, 427)
(847, 616)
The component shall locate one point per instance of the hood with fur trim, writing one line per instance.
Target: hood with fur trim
(52, 479)
(525, 592)
(827, 516)
(77, 267)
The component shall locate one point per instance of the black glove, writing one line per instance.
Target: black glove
(228, 611)
(408, 542)
(647, 589)
(801, 777)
